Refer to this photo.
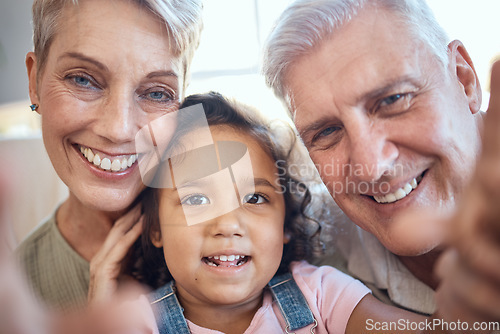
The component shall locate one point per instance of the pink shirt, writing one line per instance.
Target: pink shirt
(331, 295)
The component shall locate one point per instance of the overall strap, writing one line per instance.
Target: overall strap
(292, 303)
(168, 312)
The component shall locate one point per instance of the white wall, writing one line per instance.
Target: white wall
(15, 42)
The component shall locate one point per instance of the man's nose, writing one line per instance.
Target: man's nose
(371, 152)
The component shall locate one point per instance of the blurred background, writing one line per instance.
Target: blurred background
(228, 61)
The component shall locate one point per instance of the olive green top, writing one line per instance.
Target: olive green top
(58, 275)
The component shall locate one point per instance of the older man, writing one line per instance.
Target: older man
(390, 114)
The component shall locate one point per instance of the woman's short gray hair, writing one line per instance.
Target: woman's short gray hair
(182, 19)
(306, 23)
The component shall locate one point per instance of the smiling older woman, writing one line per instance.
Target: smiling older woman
(99, 72)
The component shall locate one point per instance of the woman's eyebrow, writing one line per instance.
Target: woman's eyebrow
(168, 73)
(85, 58)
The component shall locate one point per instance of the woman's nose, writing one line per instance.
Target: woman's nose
(119, 118)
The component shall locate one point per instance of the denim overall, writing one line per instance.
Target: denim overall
(291, 302)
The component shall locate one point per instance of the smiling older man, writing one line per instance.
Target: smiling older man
(390, 114)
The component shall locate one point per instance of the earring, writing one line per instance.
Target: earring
(34, 107)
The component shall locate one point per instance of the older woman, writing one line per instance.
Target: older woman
(99, 72)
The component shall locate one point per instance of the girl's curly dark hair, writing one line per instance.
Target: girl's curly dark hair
(147, 261)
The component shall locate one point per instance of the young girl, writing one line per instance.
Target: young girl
(240, 271)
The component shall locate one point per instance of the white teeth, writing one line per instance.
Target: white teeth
(116, 165)
(225, 258)
(90, 155)
(97, 160)
(106, 163)
(398, 194)
(131, 160)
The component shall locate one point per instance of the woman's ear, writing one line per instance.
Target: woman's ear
(31, 67)
(155, 237)
(466, 74)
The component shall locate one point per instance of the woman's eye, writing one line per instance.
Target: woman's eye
(81, 81)
(159, 96)
(195, 200)
(254, 199)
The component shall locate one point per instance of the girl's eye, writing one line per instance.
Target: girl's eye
(255, 199)
(195, 200)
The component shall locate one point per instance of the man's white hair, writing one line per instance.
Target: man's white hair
(306, 23)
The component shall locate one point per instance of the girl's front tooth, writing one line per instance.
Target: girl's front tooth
(231, 258)
(223, 258)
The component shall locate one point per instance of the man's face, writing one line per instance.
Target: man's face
(391, 129)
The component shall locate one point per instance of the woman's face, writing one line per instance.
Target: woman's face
(109, 72)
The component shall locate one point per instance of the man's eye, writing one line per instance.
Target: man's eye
(391, 99)
(327, 131)
(254, 199)
(195, 200)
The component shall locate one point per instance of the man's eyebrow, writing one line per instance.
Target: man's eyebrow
(82, 57)
(389, 87)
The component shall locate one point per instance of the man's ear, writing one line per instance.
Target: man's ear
(31, 67)
(155, 237)
(466, 74)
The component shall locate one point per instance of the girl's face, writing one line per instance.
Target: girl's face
(109, 72)
(227, 260)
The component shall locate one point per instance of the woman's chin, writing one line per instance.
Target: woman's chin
(107, 200)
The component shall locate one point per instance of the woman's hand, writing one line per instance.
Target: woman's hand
(106, 265)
